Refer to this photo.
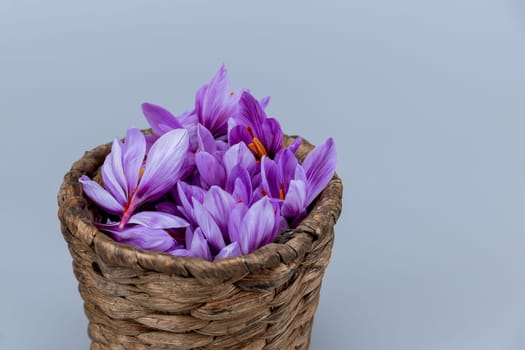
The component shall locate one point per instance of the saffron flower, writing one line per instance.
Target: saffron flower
(293, 185)
(212, 183)
(263, 135)
(131, 180)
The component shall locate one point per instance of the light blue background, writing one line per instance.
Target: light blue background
(426, 102)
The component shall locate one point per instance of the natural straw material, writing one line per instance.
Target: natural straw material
(136, 299)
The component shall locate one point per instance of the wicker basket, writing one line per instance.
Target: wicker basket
(136, 299)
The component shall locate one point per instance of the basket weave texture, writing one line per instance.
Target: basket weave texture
(136, 299)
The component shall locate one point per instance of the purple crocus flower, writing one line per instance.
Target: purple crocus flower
(215, 103)
(252, 227)
(146, 230)
(295, 186)
(263, 135)
(131, 181)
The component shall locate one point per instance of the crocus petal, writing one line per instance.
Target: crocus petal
(185, 253)
(188, 119)
(163, 165)
(239, 185)
(186, 194)
(272, 136)
(219, 204)
(158, 220)
(265, 101)
(235, 220)
(257, 225)
(251, 113)
(160, 119)
(199, 246)
(100, 196)
(237, 134)
(319, 165)
(232, 249)
(215, 103)
(211, 171)
(140, 236)
(294, 146)
(111, 183)
(295, 201)
(133, 152)
(271, 176)
(239, 154)
(113, 172)
(146, 238)
(288, 164)
(209, 227)
(205, 140)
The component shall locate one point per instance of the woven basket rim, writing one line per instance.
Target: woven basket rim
(74, 213)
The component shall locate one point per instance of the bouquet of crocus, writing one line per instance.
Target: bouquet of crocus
(214, 182)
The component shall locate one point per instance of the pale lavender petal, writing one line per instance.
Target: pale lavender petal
(185, 253)
(158, 220)
(133, 152)
(147, 238)
(111, 183)
(257, 225)
(320, 167)
(113, 171)
(189, 237)
(219, 204)
(271, 177)
(163, 165)
(100, 196)
(160, 119)
(295, 200)
(209, 227)
(272, 136)
(239, 185)
(278, 222)
(288, 165)
(239, 154)
(199, 246)
(141, 237)
(215, 103)
(211, 171)
(232, 249)
(205, 140)
(235, 221)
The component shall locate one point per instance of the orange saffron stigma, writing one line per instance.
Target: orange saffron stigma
(281, 191)
(256, 146)
(263, 192)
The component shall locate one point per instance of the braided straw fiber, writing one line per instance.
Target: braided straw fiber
(136, 299)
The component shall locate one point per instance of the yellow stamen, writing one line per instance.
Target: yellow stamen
(141, 172)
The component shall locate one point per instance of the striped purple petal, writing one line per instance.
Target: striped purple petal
(100, 196)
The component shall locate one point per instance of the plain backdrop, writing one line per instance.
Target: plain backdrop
(426, 103)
